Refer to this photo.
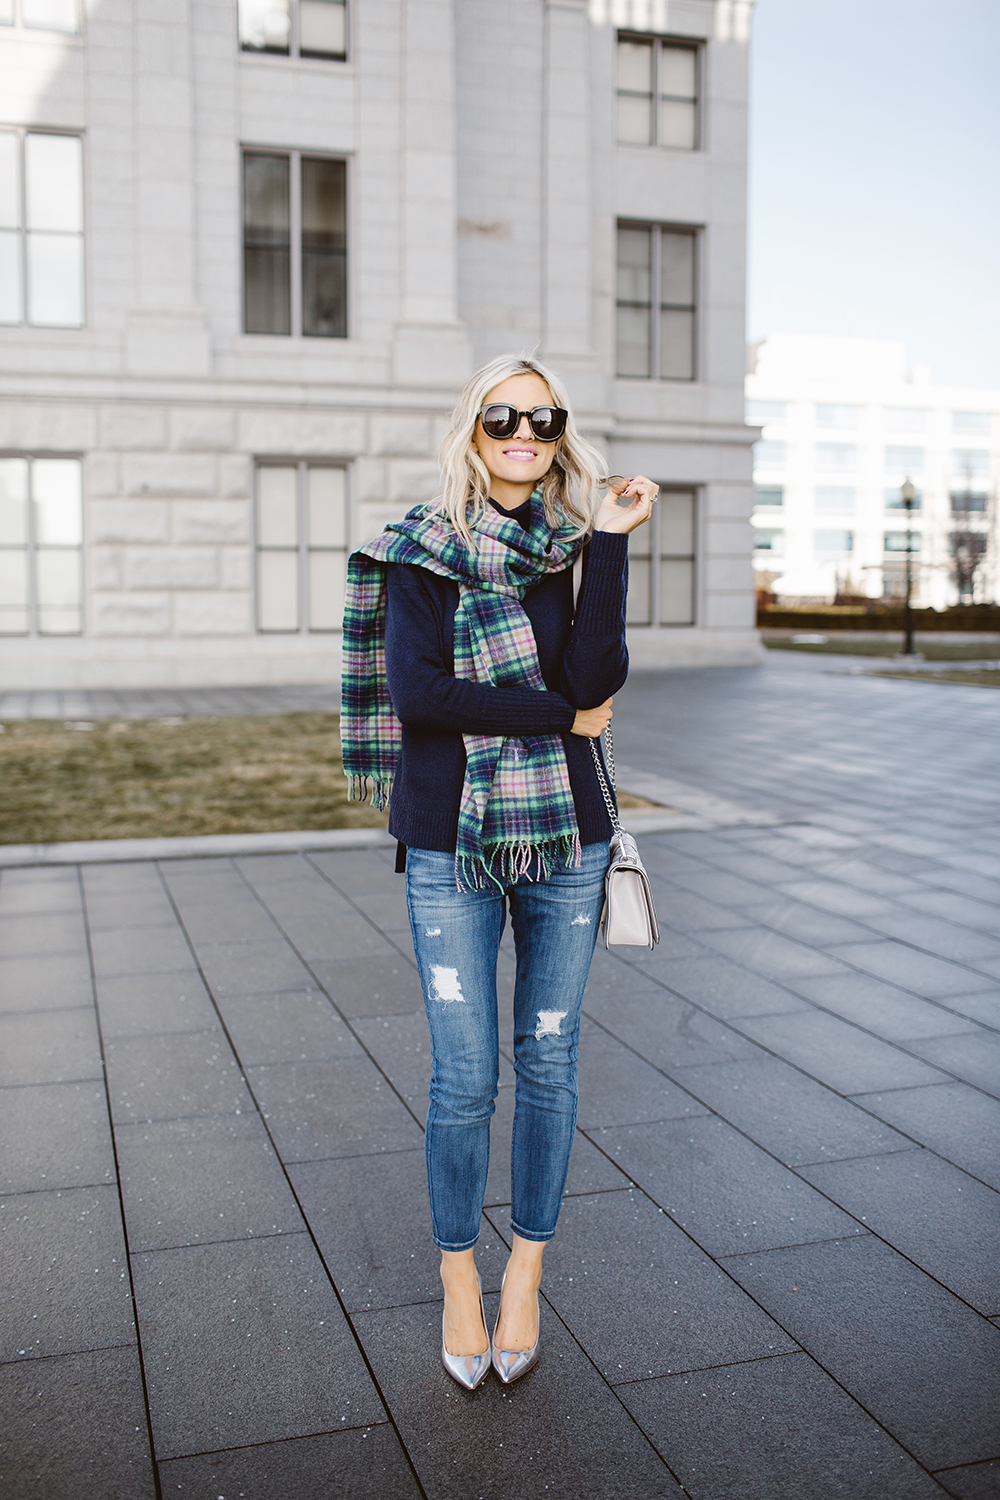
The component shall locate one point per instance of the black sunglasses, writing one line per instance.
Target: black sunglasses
(547, 423)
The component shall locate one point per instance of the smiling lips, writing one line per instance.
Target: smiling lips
(520, 455)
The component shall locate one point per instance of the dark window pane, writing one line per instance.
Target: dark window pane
(266, 245)
(324, 248)
(677, 269)
(634, 263)
(634, 342)
(676, 344)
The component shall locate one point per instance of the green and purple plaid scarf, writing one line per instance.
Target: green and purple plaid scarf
(517, 816)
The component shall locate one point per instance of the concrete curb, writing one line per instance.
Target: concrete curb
(116, 851)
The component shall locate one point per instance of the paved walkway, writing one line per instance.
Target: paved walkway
(776, 1271)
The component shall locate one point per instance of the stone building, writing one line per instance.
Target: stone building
(844, 423)
(248, 252)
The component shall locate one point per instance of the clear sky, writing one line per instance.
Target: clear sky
(875, 176)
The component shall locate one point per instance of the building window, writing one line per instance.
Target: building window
(294, 244)
(302, 537)
(895, 541)
(765, 494)
(966, 502)
(657, 93)
(657, 295)
(768, 453)
(970, 421)
(41, 229)
(910, 459)
(294, 28)
(835, 497)
(41, 546)
(893, 500)
(765, 411)
(836, 455)
(970, 461)
(769, 541)
(905, 419)
(837, 416)
(832, 542)
(41, 15)
(662, 558)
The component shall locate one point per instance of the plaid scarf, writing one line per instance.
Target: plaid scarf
(516, 817)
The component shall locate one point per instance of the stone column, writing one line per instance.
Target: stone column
(166, 333)
(430, 344)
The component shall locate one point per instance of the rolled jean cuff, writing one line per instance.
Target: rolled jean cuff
(530, 1234)
(443, 1244)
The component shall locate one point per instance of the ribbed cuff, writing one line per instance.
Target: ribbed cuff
(602, 597)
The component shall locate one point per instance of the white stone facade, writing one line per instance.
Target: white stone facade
(484, 189)
(848, 418)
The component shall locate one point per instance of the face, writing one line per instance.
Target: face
(521, 459)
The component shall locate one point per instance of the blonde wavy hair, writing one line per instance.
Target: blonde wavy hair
(569, 489)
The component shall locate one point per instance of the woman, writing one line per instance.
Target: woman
(470, 692)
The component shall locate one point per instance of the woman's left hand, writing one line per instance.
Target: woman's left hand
(614, 517)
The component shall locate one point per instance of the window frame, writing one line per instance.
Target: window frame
(32, 548)
(659, 40)
(22, 132)
(656, 306)
(302, 547)
(19, 24)
(295, 156)
(294, 54)
(657, 556)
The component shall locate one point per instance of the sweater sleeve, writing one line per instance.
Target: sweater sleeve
(424, 690)
(595, 664)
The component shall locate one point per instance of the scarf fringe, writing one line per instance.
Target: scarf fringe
(502, 865)
(360, 788)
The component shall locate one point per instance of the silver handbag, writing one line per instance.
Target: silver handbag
(629, 918)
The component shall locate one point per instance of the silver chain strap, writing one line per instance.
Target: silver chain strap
(609, 801)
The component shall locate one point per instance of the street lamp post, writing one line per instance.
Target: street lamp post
(908, 493)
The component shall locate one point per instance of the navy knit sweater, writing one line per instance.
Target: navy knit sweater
(583, 662)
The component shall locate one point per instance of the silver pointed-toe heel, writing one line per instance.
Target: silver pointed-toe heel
(469, 1370)
(511, 1364)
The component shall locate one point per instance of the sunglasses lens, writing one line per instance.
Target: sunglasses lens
(500, 421)
(548, 423)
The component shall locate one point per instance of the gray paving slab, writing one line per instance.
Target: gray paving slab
(366, 1463)
(147, 1004)
(984, 1007)
(252, 968)
(940, 1218)
(309, 895)
(340, 935)
(727, 1193)
(669, 1033)
(54, 1135)
(236, 918)
(806, 924)
(932, 934)
(617, 1087)
(774, 1429)
(973, 1056)
(358, 876)
(108, 910)
(296, 1027)
(21, 898)
(37, 984)
(196, 1181)
(686, 912)
(690, 1314)
(356, 1208)
(958, 1122)
(920, 1361)
(558, 1432)
(371, 986)
(723, 988)
(792, 1116)
(54, 1046)
(891, 1013)
(771, 954)
(141, 950)
(341, 1107)
(933, 978)
(842, 899)
(173, 1076)
(65, 1285)
(42, 935)
(974, 1481)
(401, 1046)
(838, 1053)
(75, 1425)
(246, 1343)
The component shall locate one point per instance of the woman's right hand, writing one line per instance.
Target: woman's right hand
(592, 721)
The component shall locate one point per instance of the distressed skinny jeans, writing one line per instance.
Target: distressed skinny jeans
(456, 937)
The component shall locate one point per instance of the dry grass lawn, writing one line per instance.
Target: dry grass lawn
(984, 677)
(160, 778)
